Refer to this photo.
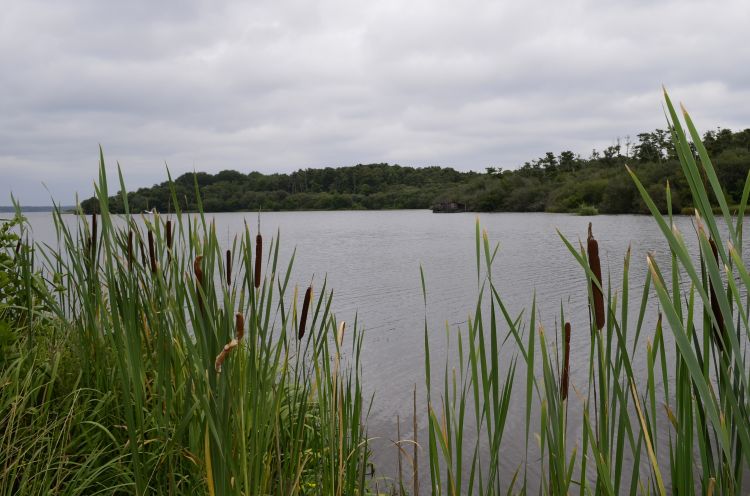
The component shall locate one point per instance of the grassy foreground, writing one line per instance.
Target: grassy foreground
(146, 360)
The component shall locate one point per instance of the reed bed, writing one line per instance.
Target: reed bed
(180, 373)
(695, 382)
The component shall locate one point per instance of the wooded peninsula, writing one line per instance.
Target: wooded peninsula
(553, 183)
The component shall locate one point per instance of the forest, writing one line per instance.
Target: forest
(564, 182)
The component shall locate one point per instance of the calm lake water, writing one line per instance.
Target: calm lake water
(372, 261)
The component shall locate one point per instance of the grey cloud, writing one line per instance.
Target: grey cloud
(275, 86)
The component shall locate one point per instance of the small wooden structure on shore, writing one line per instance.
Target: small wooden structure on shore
(448, 208)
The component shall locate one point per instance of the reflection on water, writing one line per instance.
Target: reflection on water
(372, 260)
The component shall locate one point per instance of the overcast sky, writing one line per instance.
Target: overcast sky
(279, 85)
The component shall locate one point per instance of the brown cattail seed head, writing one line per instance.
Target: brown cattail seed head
(169, 241)
(143, 252)
(130, 248)
(239, 326)
(305, 309)
(223, 355)
(18, 247)
(565, 378)
(198, 270)
(229, 267)
(258, 258)
(596, 268)
(199, 283)
(720, 330)
(152, 251)
(169, 234)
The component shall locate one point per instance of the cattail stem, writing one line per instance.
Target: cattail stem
(564, 379)
(152, 251)
(229, 267)
(720, 329)
(596, 268)
(305, 309)
(258, 258)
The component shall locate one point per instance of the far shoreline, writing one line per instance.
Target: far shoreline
(70, 210)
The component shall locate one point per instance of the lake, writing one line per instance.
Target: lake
(372, 262)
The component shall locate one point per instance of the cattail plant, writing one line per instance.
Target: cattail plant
(595, 265)
(303, 315)
(258, 258)
(565, 377)
(152, 251)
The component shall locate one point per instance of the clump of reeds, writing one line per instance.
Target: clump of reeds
(151, 364)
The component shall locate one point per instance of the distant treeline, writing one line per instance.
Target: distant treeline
(553, 183)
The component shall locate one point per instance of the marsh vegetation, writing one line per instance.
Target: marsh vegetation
(145, 358)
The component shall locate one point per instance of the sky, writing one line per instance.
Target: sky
(276, 86)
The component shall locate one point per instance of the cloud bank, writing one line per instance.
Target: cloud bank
(279, 85)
